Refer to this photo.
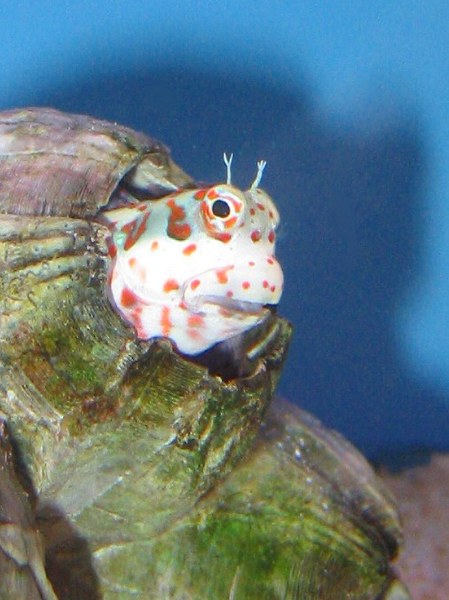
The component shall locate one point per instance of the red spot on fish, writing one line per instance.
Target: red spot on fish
(142, 207)
(134, 229)
(237, 205)
(179, 232)
(271, 214)
(195, 321)
(176, 229)
(270, 261)
(128, 298)
(265, 283)
(170, 285)
(166, 323)
(229, 293)
(230, 222)
(194, 334)
(137, 268)
(154, 245)
(224, 312)
(252, 212)
(273, 288)
(222, 274)
(255, 235)
(112, 248)
(246, 285)
(199, 195)
(251, 263)
(188, 250)
(212, 194)
(195, 283)
(271, 237)
(223, 236)
(260, 206)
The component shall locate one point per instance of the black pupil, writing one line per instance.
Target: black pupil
(220, 208)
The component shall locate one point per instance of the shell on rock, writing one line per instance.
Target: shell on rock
(52, 163)
(127, 470)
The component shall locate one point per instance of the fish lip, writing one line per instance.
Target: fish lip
(232, 304)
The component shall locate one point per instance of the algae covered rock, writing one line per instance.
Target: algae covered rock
(128, 469)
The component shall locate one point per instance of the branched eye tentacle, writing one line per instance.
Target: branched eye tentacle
(261, 164)
(228, 162)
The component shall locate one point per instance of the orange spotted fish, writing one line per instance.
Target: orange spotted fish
(196, 266)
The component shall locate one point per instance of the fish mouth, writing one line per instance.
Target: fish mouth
(231, 305)
(234, 290)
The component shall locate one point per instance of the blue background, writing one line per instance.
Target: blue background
(349, 103)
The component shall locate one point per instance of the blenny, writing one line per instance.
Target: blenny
(196, 266)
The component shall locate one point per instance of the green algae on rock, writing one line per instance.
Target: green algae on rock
(143, 473)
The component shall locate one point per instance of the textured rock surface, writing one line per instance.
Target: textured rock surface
(128, 471)
(423, 497)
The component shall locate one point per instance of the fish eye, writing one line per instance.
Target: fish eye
(220, 208)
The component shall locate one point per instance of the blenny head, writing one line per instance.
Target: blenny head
(196, 266)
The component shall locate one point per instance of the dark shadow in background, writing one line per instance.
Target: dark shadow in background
(350, 207)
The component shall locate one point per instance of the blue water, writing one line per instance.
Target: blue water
(349, 104)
